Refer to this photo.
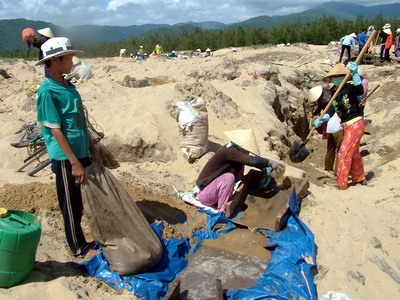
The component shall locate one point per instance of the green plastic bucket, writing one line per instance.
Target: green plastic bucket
(19, 238)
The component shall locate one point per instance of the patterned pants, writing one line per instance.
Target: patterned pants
(349, 158)
(218, 191)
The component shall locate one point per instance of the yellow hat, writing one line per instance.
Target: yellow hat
(314, 93)
(244, 138)
(337, 70)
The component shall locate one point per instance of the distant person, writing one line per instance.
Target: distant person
(361, 40)
(386, 43)
(158, 50)
(208, 53)
(396, 56)
(141, 54)
(198, 52)
(347, 42)
(371, 45)
(31, 39)
(79, 71)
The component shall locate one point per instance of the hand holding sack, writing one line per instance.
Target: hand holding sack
(278, 168)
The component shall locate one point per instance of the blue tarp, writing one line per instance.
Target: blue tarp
(288, 275)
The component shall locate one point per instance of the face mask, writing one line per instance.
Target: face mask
(337, 80)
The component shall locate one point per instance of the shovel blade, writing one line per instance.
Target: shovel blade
(298, 152)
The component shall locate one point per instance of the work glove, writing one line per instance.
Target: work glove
(352, 66)
(318, 123)
(278, 168)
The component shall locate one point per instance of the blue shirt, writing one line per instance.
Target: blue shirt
(347, 40)
(361, 38)
(60, 106)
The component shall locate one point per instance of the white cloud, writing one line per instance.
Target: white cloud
(138, 12)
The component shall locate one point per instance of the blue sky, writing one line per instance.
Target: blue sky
(133, 12)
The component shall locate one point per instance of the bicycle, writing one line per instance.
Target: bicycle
(32, 139)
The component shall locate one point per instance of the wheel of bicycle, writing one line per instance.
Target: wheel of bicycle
(36, 163)
(34, 154)
(35, 145)
(39, 167)
(34, 157)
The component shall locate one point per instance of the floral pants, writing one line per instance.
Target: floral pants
(349, 162)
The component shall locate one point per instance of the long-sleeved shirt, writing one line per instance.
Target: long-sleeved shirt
(348, 40)
(229, 160)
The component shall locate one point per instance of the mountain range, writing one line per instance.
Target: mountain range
(91, 34)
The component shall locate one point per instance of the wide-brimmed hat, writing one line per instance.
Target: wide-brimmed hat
(337, 70)
(398, 30)
(56, 47)
(387, 31)
(386, 26)
(353, 35)
(244, 138)
(141, 47)
(314, 93)
(46, 32)
(208, 49)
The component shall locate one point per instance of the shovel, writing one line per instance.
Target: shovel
(298, 151)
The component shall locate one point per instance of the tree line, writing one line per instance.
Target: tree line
(318, 32)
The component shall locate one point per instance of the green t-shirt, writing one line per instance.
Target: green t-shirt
(60, 106)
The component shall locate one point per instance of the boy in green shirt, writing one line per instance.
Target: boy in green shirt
(62, 119)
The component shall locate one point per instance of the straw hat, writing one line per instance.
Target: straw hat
(386, 26)
(198, 50)
(314, 93)
(208, 49)
(387, 31)
(353, 35)
(56, 47)
(244, 138)
(337, 70)
(398, 30)
(46, 32)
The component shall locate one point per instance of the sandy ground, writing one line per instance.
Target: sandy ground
(356, 231)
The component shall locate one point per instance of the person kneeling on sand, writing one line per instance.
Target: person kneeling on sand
(79, 70)
(217, 179)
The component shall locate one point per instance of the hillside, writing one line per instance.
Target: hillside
(92, 34)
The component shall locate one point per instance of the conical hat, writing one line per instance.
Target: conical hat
(314, 93)
(337, 70)
(244, 138)
(46, 32)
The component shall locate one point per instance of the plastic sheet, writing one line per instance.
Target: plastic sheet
(288, 275)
